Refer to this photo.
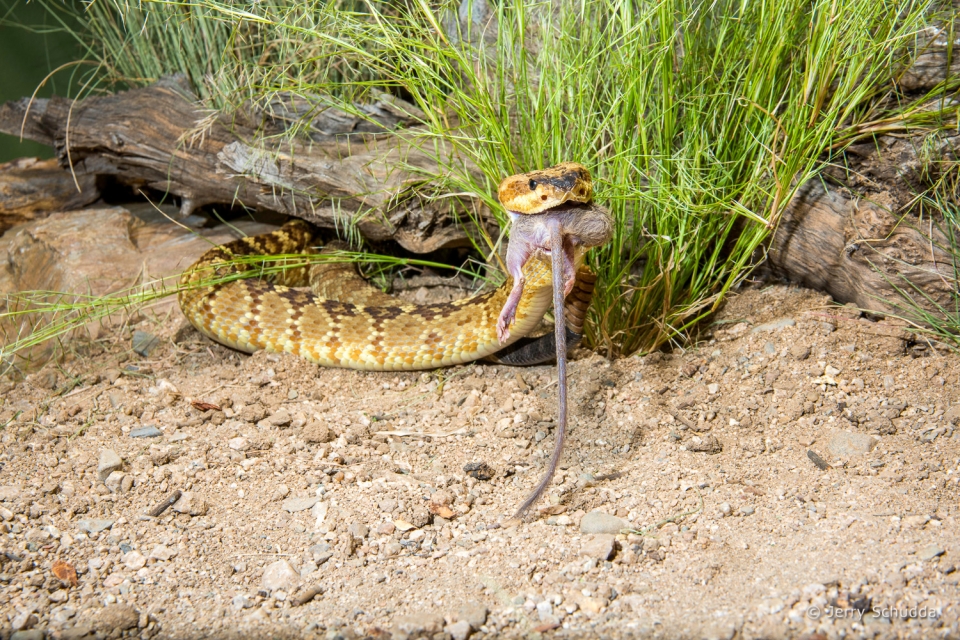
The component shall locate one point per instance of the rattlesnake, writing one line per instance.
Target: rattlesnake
(364, 330)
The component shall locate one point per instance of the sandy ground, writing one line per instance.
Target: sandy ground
(793, 475)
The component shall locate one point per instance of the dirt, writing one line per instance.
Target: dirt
(794, 474)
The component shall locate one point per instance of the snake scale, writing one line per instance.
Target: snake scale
(342, 323)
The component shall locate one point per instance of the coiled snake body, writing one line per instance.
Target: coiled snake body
(359, 328)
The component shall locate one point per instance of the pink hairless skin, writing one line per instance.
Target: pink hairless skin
(566, 227)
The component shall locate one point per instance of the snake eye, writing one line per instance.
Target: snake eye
(533, 185)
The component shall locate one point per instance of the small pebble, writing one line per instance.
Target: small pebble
(134, 560)
(418, 625)
(599, 522)
(91, 525)
(144, 343)
(146, 432)
(295, 505)
(600, 547)
(459, 630)
(847, 443)
(190, 503)
(473, 613)
(775, 325)
(930, 552)
(109, 462)
(280, 576)
(544, 610)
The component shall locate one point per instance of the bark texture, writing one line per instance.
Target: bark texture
(32, 189)
(862, 251)
(346, 170)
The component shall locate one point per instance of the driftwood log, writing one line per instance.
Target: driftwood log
(861, 251)
(348, 171)
(854, 239)
(31, 189)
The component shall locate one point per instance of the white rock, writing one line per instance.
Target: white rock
(162, 552)
(134, 560)
(459, 630)
(544, 610)
(417, 625)
(36, 535)
(294, 505)
(848, 443)
(24, 620)
(299, 420)
(114, 481)
(600, 546)
(109, 462)
(319, 511)
(600, 522)
(190, 503)
(58, 596)
(279, 419)
(280, 576)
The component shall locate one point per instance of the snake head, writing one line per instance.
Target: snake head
(538, 191)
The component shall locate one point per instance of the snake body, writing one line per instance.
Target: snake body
(344, 323)
(371, 333)
(249, 314)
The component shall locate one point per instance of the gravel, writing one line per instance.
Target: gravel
(403, 495)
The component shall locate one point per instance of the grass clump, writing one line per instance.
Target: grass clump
(699, 120)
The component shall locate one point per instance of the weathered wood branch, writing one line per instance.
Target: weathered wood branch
(933, 63)
(862, 251)
(31, 189)
(342, 173)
